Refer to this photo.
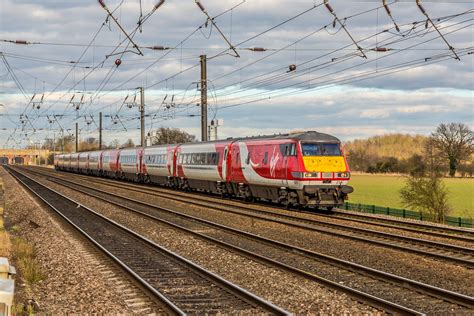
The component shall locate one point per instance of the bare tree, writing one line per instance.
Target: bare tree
(426, 194)
(114, 144)
(172, 136)
(455, 142)
(433, 159)
(129, 143)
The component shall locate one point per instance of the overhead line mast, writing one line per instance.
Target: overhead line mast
(204, 98)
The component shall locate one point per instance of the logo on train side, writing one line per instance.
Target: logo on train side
(274, 161)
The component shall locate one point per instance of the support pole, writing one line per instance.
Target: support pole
(204, 98)
(100, 130)
(77, 137)
(142, 117)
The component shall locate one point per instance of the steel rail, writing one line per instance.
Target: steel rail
(457, 253)
(226, 286)
(443, 294)
(356, 294)
(420, 228)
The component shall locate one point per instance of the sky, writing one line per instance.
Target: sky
(354, 72)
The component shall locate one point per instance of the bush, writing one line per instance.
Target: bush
(426, 194)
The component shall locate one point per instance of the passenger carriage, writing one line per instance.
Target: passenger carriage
(109, 163)
(130, 163)
(159, 165)
(93, 165)
(83, 161)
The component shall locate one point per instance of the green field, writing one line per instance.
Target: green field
(382, 190)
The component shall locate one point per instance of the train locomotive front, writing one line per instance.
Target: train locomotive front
(321, 173)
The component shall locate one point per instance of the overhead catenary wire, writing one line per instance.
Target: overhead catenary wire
(285, 76)
(300, 70)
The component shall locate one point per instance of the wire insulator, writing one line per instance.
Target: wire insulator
(328, 6)
(101, 2)
(421, 8)
(257, 49)
(381, 49)
(199, 4)
(159, 4)
(159, 48)
(21, 42)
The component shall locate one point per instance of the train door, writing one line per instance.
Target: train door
(281, 162)
(224, 164)
(285, 164)
(173, 162)
(138, 163)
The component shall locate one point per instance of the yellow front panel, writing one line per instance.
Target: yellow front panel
(324, 164)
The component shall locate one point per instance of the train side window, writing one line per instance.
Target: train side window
(292, 151)
(265, 159)
(284, 149)
(247, 160)
(237, 157)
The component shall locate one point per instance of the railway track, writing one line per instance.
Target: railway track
(448, 252)
(288, 257)
(180, 285)
(413, 227)
(425, 228)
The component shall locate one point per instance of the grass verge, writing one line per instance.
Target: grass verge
(5, 245)
(383, 190)
(24, 255)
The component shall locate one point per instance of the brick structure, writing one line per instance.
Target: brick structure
(22, 156)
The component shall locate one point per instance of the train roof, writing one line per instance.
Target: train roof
(300, 136)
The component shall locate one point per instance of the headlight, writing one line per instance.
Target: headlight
(305, 174)
(343, 174)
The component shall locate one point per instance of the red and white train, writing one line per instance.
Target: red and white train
(307, 168)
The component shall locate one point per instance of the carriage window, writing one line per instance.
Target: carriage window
(237, 158)
(247, 161)
(265, 159)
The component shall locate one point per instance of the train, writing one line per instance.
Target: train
(296, 169)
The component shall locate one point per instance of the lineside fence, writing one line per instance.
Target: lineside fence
(374, 209)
